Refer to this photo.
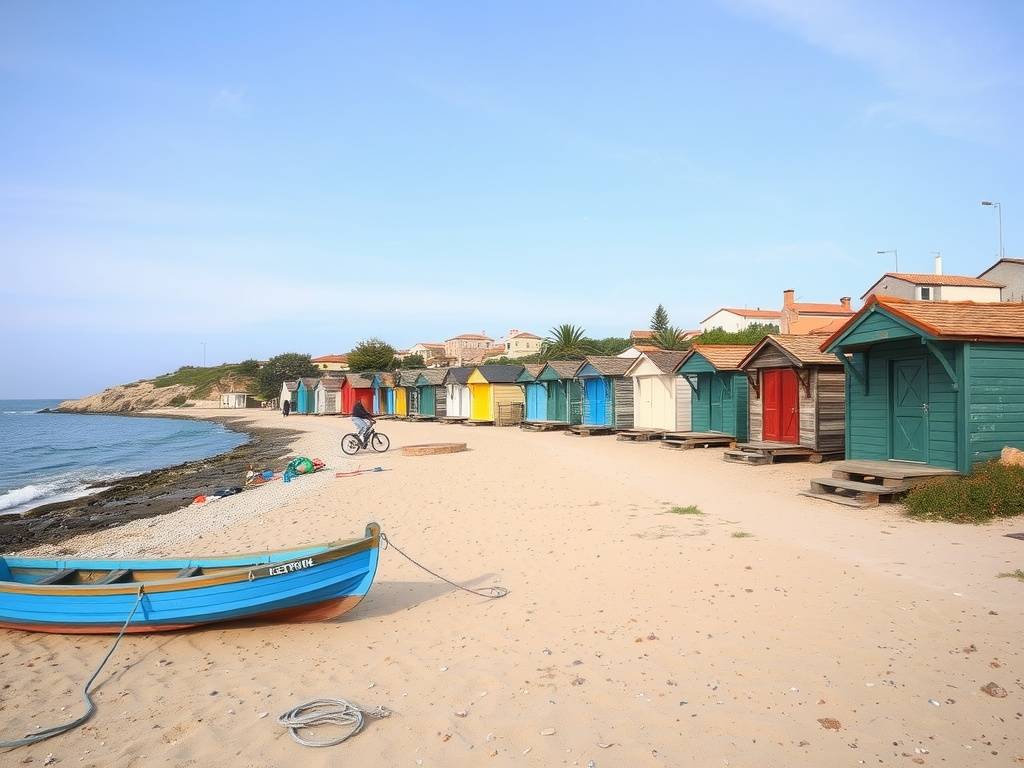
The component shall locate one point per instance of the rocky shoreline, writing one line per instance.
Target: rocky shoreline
(151, 493)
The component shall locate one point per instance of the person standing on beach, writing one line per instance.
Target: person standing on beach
(286, 407)
(362, 419)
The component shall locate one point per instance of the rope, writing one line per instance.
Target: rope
(491, 593)
(318, 712)
(90, 707)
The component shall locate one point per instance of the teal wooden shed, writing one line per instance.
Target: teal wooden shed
(564, 393)
(431, 401)
(720, 391)
(936, 383)
(305, 399)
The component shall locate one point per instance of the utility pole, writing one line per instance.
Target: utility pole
(999, 209)
(204, 354)
(895, 254)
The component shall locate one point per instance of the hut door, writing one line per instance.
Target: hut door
(717, 403)
(597, 401)
(780, 397)
(536, 402)
(910, 410)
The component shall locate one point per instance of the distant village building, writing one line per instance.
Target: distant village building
(521, 344)
(1010, 274)
(331, 362)
(431, 352)
(462, 348)
(801, 318)
(922, 286)
(736, 319)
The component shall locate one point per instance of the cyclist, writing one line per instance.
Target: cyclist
(363, 421)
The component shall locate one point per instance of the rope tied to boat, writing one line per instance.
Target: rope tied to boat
(491, 593)
(335, 712)
(90, 707)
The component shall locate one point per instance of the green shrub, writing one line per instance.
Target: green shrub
(178, 400)
(991, 490)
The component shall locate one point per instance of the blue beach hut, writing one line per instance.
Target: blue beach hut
(607, 393)
(534, 393)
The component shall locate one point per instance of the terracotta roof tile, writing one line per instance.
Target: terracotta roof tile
(925, 278)
(761, 314)
(725, 357)
(804, 348)
(640, 335)
(524, 335)
(831, 309)
(331, 359)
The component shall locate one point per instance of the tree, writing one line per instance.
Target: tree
(611, 345)
(372, 355)
(671, 338)
(286, 367)
(249, 367)
(567, 342)
(749, 335)
(414, 361)
(659, 320)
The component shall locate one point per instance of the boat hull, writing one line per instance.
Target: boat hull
(299, 585)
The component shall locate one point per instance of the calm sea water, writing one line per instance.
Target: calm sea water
(46, 457)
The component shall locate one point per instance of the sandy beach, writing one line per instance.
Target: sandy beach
(770, 630)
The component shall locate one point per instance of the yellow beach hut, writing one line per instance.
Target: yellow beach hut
(495, 397)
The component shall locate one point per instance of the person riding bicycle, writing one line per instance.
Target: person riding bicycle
(363, 421)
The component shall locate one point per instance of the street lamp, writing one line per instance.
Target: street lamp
(999, 209)
(895, 255)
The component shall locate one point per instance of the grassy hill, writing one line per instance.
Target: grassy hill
(203, 380)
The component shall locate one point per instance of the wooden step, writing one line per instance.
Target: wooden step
(753, 458)
(837, 499)
(824, 484)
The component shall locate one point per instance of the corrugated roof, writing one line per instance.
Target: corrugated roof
(387, 379)
(725, 357)
(952, 320)
(500, 374)
(804, 349)
(642, 334)
(609, 366)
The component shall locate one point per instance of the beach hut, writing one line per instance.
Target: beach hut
(457, 393)
(661, 399)
(607, 392)
(432, 398)
(327, 395)
(305, 399)
(384, 393)
(535, 395)
(288, 390)
(495, 398)
(407, 395)
(797, 401)
(564, 393)
(356, 386)
(719, 391)
(234, 400)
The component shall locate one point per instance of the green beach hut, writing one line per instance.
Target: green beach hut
(564, 393)
(720, 390)
(430, 401)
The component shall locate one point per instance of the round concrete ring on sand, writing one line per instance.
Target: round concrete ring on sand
(431, 449)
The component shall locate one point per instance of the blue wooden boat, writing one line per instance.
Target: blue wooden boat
(86, 596)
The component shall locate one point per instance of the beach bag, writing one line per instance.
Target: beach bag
(301, 466)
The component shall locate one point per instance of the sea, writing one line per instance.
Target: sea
(49, 457)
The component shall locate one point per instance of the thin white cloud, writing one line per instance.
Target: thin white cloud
(231, 101)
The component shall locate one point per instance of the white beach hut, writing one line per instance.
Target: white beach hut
(661, 398)
(457, 393)
(327, 395)
(234, 400)
(288, 390)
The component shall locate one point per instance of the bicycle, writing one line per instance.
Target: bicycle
(351, 443)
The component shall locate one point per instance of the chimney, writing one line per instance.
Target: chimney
(938, 263)
(788, 297)
(845, 301)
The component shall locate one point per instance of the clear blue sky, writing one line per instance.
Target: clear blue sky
(272, 177)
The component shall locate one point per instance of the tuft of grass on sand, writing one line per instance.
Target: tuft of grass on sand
(741, 535)
(1018, 575)
(693, 509)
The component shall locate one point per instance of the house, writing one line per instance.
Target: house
(495, 398)
(1010, 274)
(535, 394)
(327, 395)
(304, 395)
(234, 400)
(331, 362)
(736, 319)
(458, 348)
(797, 400)
(661, 399)
(937, 383)
(799, 317)
(288, 389)
(431, 352)
(521, 344)
(431, 401)
(607, 392)
(719, 390)
(457, 393)
(564, 392)
(356, 387)
(935, 286)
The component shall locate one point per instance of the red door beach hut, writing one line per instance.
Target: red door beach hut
(356, 386)
(661, 399)
(607, 392)
(797, 401)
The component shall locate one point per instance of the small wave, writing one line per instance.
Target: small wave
(19, 496)
(19, 413)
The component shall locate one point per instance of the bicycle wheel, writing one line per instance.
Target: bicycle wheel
(380, 442)
(350, 444)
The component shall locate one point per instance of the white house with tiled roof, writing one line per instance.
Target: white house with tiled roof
(521, 343)
(935, 286)
(737, 318)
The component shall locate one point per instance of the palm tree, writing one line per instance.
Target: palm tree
(671, 338)
(566, 342)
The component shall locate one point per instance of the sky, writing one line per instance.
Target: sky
(265, 177)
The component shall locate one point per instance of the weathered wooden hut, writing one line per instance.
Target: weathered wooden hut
(407, 395)
(305, 399)
(458, 394)
(357, 387)
(797, 401)
(661, 399)
(431, 398)
(719, 389)
(495, 398)
(535, 396)
(564, 393)
(288, 390)
(607, 392)
(327, 395)
(384, 393)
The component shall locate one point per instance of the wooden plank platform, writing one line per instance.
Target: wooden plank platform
(588, 430)
(640, 435)
(479, 422)
(452, 419)
(682, 441)
(765, 452)
(902, 471)
(422, 418)
(543, 426)
(866, 483)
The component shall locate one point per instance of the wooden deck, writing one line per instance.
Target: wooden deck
(640, 435)
(479, 422)
(758, 452)
(452, 419)
(543, 426)
(588, 430)
(417, 417)
(682, 441)
(868, 483)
